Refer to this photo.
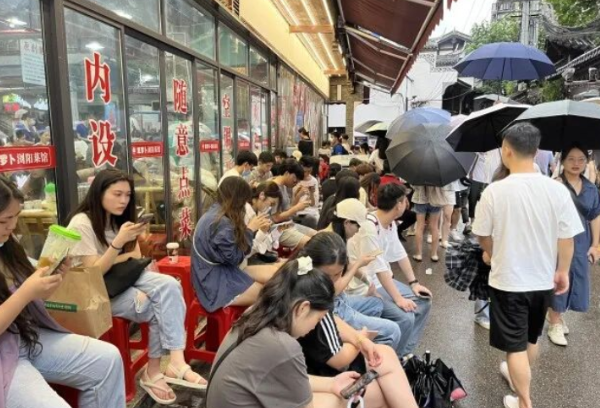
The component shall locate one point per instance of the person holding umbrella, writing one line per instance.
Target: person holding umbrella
(587, 201)
(527, 268)
(426, 201)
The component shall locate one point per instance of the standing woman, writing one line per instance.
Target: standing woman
(221, 242)
(424, 200)
(34, 349)
(587, 201)
(106, 220)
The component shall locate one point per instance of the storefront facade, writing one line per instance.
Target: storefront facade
(166, 90)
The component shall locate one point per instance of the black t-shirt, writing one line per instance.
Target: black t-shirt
(321, 344)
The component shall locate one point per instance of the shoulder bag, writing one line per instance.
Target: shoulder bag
(124, 275)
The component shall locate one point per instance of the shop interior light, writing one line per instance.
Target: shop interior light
(15, 22)
(328, 10)
(123, 14)
(94, 46)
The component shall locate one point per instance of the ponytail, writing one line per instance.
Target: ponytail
(280, 296)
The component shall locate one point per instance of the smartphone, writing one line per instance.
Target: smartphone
(282, 226)
(371, 334)
(360, 384)
(145, 218)
(54, 269)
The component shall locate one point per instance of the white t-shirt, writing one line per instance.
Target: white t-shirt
(263, 241)
(376, 161)
(229, 173)
(89, 244)
(373, 237)
(525, 214)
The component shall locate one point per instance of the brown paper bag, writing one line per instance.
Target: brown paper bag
(81, 303)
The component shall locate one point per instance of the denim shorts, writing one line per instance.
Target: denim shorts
(426, 209)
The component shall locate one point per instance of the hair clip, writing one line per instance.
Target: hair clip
(305, 265)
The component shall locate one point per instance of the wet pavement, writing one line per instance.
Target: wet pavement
(563, 378)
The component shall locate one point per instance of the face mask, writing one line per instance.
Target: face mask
(246, 173)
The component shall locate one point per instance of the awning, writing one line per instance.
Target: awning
(385, 37)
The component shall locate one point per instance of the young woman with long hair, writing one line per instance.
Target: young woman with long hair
(369, 184)
(106, 220)
(221, 242)
(348, 187)
(574, 161)
(35, 349)
(334, 345)
(264, 342)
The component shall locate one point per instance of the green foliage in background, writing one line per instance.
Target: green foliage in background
(504, 30)
(575, 13)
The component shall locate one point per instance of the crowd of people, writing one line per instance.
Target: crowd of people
(334, 309)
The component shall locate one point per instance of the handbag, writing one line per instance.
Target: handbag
(124, 275)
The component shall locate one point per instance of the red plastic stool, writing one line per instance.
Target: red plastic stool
(182, 271)
(70, 395)
(119, 337)
(217, 325)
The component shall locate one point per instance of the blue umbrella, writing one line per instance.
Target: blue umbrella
(507, 62)
(416, 117)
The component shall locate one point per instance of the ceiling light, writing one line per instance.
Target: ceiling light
(326, 5)
(15, 22)
(94, 46)
(123, 14)
(313, 21)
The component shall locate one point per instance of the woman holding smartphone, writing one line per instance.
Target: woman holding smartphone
(106, 220)
(35, 350)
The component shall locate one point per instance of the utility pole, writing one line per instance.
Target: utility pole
(530, 13)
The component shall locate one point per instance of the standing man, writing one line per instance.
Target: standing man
(527, 223)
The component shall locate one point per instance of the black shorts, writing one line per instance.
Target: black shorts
(462, 199)
(517, 318)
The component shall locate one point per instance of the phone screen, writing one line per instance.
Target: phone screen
(57, 266)
(145, 219)
(360, 384)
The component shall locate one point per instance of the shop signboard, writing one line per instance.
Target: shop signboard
(32, 62)
(27, 158)
(209, 146)
(243, 144)
(146, 149)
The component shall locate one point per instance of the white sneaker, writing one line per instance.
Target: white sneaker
(566, 330)
(429, 239)
(506, 374)
(455, 236)
(446, 245)
(556, 334)
(511, 401)
(485, 323)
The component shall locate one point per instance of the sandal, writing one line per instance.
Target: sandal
(179, 379)
(418, 258)
(150, 385)
(435, 258)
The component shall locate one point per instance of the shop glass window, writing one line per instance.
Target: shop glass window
(264, 123)
(227, 112)
(145, 127)
(142, 12)
(26, 151)
(273, 76)
(243, 115)
(191, 26)
(208, 125)
(256, 131)
(181, 148)
(233, 51)
(96, 89)
(259, 67)
(273, 134)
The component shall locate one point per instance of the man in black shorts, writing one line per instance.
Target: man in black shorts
(527, 223)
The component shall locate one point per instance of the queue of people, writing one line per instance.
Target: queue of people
(334, 310)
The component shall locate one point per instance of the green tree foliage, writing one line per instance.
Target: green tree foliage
(504, 30)
(575, 13)
(553, 90)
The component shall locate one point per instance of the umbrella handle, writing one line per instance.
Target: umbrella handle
(358, 399)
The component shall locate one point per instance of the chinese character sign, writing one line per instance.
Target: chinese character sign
(103, 143)
(226, 104)
(97, 75)
(185, 223)
(184, 185)
(180, 96)
(182, 137)
(146, 149)
(228, 142)
(27, 158)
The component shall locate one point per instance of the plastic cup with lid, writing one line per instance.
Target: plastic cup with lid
(59, 242)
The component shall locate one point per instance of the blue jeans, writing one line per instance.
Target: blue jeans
(89, 365)
(482, 313)
(411, 324)
(365, 311)
(162, 307)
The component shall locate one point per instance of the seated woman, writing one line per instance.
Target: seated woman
(263, 342)
(221, 241)
(348, 187)
(265, 197)
(333, 346)
(35, 349)
(106, 221)
(369, 183)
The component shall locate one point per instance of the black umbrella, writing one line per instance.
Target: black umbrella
(480, 131)
(363, 127)
(565, 122)
(422, 156)
(433, 384)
